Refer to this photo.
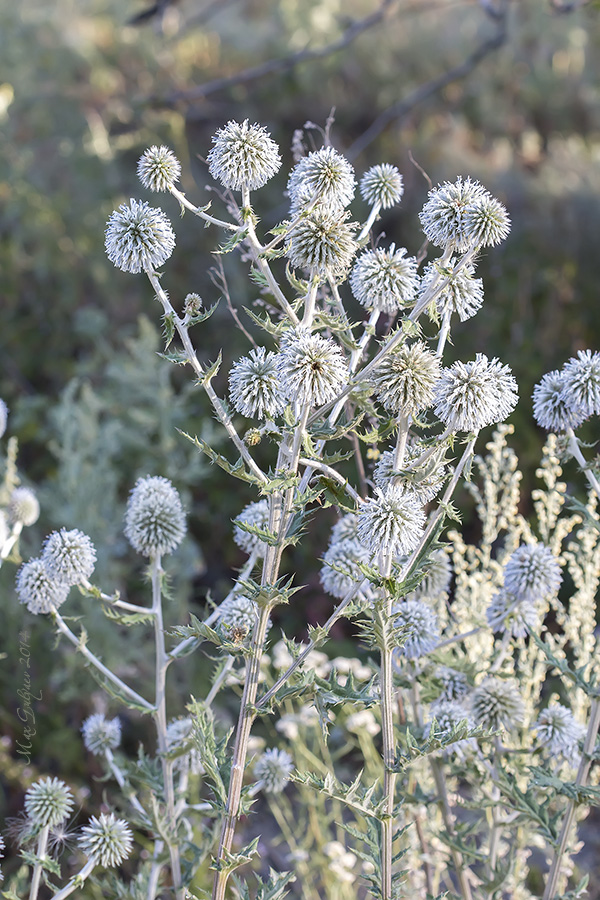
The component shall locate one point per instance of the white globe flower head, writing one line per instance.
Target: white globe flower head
(405, 379)
(447, 715)
(497, 703)
(106, 840)
(323, 242)
(344, 528)
(382, 186)
(470, 396)
(254, 385)
(463, 215)
(312, 369)
(3, 416)
(463, 294)
(363, 722)
(36, 589)
(344, 555)
(273, 770)
(154, 518)
(515, 615)
(455, 684)
(255, 514)
(101, 734)
(385, 280)
(238, 614)
(342, 862)
(438, 575)
(138, 237)
(48, 802)
(581, 382)
(69, 556)
(325, 176)
(423, 636)
(532, 572)
(391, 522)
(243, 156)
(486, 222)
(24, 506)
(559, 732)
(158, 168)
(553, 408)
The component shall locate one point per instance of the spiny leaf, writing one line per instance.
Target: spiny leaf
(236, 238)
(237, 470)
(202, 317)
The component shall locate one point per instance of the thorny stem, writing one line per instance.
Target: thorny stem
(37, 869)
(11, 541)
(494, 841)
(310, 301)
(77, 880)
(389, 744)
(443, 335)
(578, 455)
(331, 473)
(198, 211)
(460, 869)
(115, 600)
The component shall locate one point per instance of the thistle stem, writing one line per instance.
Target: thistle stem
(37, 869)
(198, 211)
(76, 880)
(575, 451)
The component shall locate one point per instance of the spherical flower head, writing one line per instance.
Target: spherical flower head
(382, 186)
(138, 237)
(254, 385)
(325, 176)
(424, 481)
(101, 734)
(423, 636)
(455, 684)
(405, 379)
(581, 382)
(532, 572)
(486, 222)
(344, 555)
(256, 514)
(243, 155)
(238, 613)
(443, 215)
(344, 528)
(448, 714)
(3, 416)
(497, 704)
(192, 305)
(507, 613)
(385, 280)
(392, 521)
(438, 574)
(24, 506)
(311, 369)
(154, 519)
(69, 556)
(179, 736)
(273, 770)
(552, 407)
(37, 590)
(48, 802)
(158, 168)
(471, 395)
(323, 242)
(558, 732)
(106, 839)
(463, 294)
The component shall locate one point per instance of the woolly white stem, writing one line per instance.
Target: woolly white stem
(37, 869)
(76, 880)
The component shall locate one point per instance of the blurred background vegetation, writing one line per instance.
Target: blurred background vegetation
(507, 92)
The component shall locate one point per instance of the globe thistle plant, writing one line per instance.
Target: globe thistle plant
(138, 237)
(106, 840)
(455, 685)
(48, 802)
(158, 169)
(238, 613)
(324, 175)
(243, 156)
(532, 572)
(553, 409)
(463, 294)
(497, 703)
(154, 518)
(273, 770)
(24, 506)
(323, 242)
(312, 369)
(469, 396)
(38, 590)
(581, 382)
(422, 624)
(424, 481)
(341, 570)
(254, 385)
(255, 514)
(345, 528)
(443, 216)
(391, 522)
(382, 185)
(516, 616)
(101, 734)
(558, 732)
(405, 379)
(385, 280)
(69, 556)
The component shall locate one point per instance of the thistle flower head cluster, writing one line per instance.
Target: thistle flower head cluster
(497, 703)
(48, 802)
(101, 734)
(38, 590)
(422, 624)
(455, 684)
(341, 570)
(462, 215)
(461, 293)
(312, 369)
(69, 556)
(238, 613)
(243, 156)
(405, 379)
(564, 399)
(138, 237)
(391, 522)
(323, 242)
(273, 770)
(516, 616)
(158, 168)
(558, 732)
(255, 514)
(24, 506)
(469, 396)
(154, 519)
(324, 176)
(382, 185)
(106, 840)
(385, 280)
(582, 382)
(424, 481)
(532, 572)
(254, 385)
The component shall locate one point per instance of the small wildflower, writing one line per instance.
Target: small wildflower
(323, 241)
(423, 634)
(463, 294)
(552, 408)
(507, 613)
(243, 156)
(154, 519)
(385, 280)
(69, 556)
(363, 722)
(324, 175)
(497, 703)
(438, 574)
(138, 237)
(254, 385)
(405, 379)
(391, 522)
(471, 395)
(558, 732)
(254, 514)
(382, 185)
(101, 734)
(48, 802)
(24, 506)
(273, 770)
(238, 613)
(158, 169)
(192, 306)
(455, 684)
(532, 572)
(107, 840)
(37, 590)
(342, 862)
(581, 380)
(312, 369)
(3, 416)
(345, 555)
